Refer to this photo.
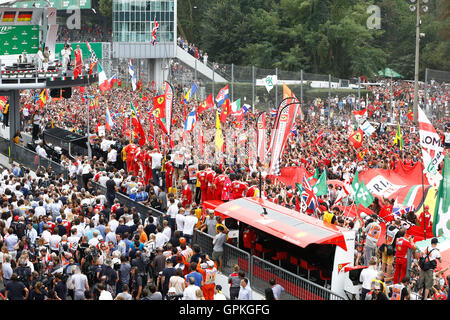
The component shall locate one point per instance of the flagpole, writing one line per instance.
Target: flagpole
(423, 204)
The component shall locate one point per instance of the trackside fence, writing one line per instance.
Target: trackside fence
(260, 271)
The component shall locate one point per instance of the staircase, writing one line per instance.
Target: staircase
(193, 63)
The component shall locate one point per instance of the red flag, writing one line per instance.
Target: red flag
(226, 110)
(239, 114)
(357, 138)
(362, 154)
(159, 111)
(207, 104)
(360, 113)
(319, 137)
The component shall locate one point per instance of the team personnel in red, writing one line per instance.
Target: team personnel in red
(425, 219)
(147, 165)
(168, 166)
(186, 194)
(130, 151)
(401, 251)
(201, 177)
(219, 182)
(249, 239)
(253, 190)
(210, 178)
(238, 188)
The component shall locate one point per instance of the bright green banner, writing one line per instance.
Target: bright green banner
(19, 39)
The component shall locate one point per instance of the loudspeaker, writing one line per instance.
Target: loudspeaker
(55, 93)
(67, 92)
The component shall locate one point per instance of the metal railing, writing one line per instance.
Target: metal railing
(261, 271)
(29, 158)
(126, 201)
(32, 160)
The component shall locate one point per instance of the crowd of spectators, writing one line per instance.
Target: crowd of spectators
(88, 245)
(87, 33)
(193, 50)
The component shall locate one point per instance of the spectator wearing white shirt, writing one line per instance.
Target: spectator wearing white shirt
(112, 156)
(189, 292)
(156, 165)
(73, 239)
(172, 212)
(103, 178)
(367, 276)
(54, 241)
(166, 229)
(41, 151)
(189, 223)
(179, 218)
(113, 223)
(160, 237)
(46, 235)
(245, 293)
(96, 238)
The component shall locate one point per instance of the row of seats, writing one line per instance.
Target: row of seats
(282, 256)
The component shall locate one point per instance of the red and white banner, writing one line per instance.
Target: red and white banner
(397, 183)
(283, 103)
(286, 118)
(168, 92)
(433, 151)
(261, 136)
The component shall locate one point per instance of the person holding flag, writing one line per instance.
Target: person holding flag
(399, 138)
(190, 93)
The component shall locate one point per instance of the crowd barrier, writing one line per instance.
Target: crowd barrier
(260, 271)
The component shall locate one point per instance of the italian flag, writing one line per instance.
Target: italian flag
(236, 110)
(441, 219)
(103, 82)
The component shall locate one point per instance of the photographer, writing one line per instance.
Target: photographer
(111, 276)
(429, 257)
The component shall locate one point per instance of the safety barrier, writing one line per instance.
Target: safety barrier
(204, 240)
(260, 271)
(125, 201)
(234, 256)
(30, 159)
(296, 287)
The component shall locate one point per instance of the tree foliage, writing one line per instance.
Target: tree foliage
(318, 36)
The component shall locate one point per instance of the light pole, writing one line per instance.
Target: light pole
(417, 9)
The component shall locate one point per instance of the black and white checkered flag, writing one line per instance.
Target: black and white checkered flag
(277, 168)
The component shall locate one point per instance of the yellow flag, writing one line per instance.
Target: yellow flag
(219, 136)
(287, 93)
(218, 121)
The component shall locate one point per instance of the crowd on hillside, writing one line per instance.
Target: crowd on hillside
(63, 237)
(193, 50)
